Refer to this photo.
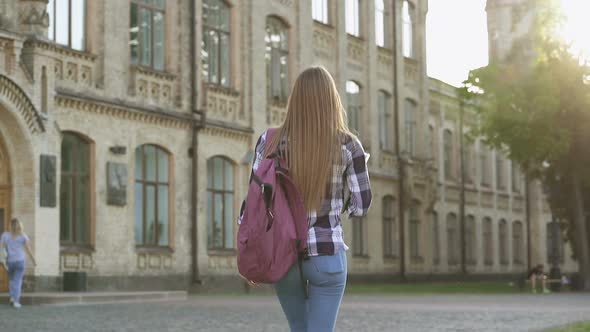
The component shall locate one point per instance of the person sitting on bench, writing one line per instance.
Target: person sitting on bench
(535, 274)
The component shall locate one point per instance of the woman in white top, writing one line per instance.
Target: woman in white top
(16, 243)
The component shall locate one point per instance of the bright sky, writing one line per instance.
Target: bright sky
(457, 39)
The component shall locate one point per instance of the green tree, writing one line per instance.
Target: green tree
(537, 110)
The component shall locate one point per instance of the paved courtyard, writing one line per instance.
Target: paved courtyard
(359, 313)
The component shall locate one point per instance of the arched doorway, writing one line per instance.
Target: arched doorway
(5, 197)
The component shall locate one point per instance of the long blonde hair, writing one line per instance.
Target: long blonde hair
(314, 126)
(16, 227)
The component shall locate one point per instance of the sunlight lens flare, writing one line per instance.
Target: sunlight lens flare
(576, 27)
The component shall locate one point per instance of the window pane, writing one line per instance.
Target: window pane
(229, 176)
(218, 221)
(65, 209)
(145, 36)
(225, 61)
(82, 211)
(139, 213)
(213, 56)
(139, 163)
(224, 17)
(159, 41)
(163, 215)
(133, 34)
(218, 173)
(161, 4)
(150, 215)
(50, 9)
(82, 161)
(210, 221)
(150, 162)
(163, 166)
(78, 24)
(67, 152)
(228, 206)
(379, 23)
(62, 18)
(284, 78)
(205, 50)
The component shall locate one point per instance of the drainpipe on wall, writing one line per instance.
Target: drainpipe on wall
(462, 197)
(527, 209)
(400, 162)
(198, 124)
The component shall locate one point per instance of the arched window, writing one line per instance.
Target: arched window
(75, 190)
(215, 50)
(453, 240)
(67, 20)
(415, 230)
(389, 227)
(448, 154)
(408, 13)
(147, 33)
(410, 108)
(319, 11)
(352, 12)
(435, 239)
(503, 241)
(380, 23)
(471, 249)
(385, 120)
(354, 106)
(488, 242)
(277, 59)
(152, 196)
(517, 243)
(220, 203)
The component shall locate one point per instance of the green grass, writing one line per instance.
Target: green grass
(434, 288)
(578, 327)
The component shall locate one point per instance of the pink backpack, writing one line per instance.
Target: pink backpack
(272, 236)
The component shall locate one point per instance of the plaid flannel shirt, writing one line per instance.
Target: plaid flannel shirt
(325, 225)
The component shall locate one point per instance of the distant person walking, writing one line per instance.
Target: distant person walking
(16, 243)
(536, 273)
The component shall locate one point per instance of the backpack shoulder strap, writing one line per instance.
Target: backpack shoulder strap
(270, 134)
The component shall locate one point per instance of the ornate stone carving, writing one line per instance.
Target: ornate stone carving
(153, 85)
(384, 63)
(276, 113)
(324, 39)
(116, 184)
(154, 261)
(48, 180)
(224, 105)
(355, 49)
(33, 17)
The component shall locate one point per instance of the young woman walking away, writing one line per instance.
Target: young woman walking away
(16, 243)
(329, 166)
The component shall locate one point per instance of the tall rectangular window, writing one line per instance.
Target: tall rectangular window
(408, 30)
(220, 203)
(435, 239)
(385, 121)
(484, 165)
(410, 118)
(75, 190)
(517, 243)
(470, 250)
(380, 23)
(389, 230)
(359, 237)
(448, 154)
(147, 36)
(354, 106)
(277, 56)
(488, 243)
(500, 180)
(515, 177)
(152, 200)
(319, 11)
(503, 242)
(415, 231)
(352, 12)
(67, 23)
(215, 50)
(453, 240)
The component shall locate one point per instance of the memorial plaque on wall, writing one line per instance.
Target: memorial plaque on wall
(48, 181)
(116, 184)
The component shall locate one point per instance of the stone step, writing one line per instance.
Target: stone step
(75, 298)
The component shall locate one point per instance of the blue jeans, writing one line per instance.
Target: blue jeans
(16, 271)
(327, 280)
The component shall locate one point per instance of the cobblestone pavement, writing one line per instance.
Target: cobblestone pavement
(358, 313)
